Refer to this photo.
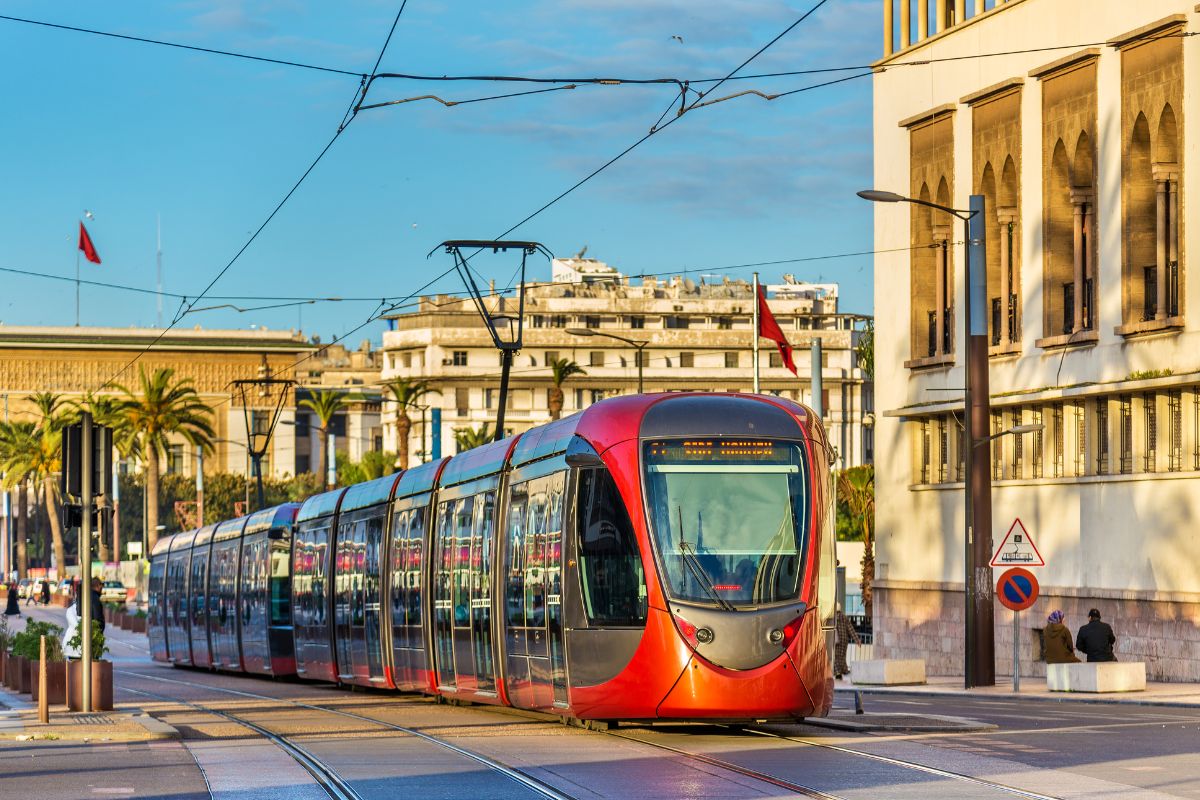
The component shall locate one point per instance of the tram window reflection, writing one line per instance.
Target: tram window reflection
(612, 577)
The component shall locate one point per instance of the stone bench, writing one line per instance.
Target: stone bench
(888, 672)
(1102, 676)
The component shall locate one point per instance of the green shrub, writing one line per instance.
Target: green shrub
(99, 648)
(27, 643)
(141, 613)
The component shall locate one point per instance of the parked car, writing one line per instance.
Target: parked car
(113, 592)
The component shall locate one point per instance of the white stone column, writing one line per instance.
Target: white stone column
(939, 24)
(939, 311)
(1078, 251)
(1173, 234)
(960, 11)
(905, 23)
(922, 20)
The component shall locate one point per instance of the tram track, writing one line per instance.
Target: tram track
(325, 776)
(911, 765)
(539, 787)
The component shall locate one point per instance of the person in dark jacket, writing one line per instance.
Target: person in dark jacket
(1096, 639)
(14, 605)
(45, 592)
(97, 607)
(1056, 641)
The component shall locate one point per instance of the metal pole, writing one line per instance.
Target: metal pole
(506, 359)
(1016, 651)
(754, 333)
(76, 287)
(640, 361)
(199, 487)
(980, 616)
(259, 480)
(818, 379)
(85, 562)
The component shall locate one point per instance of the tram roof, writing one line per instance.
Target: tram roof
(229, 529)
(545, 440)
(182, 540)
(420, 478)
(280, 516)
(320, 505)
(477, 463)
(162, 545)
(371, 493)
(204, 535)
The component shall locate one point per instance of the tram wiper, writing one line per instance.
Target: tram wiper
(697, 569)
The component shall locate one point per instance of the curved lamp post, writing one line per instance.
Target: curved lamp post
(979, 668)
(636, 344)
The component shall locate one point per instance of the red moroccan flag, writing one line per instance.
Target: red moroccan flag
(768, 328)
(85, 244)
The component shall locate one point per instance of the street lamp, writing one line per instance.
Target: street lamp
(979, 667)
(638, 346)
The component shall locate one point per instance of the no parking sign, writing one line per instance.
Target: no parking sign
(1017, 589)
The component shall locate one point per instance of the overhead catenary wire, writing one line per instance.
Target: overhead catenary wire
(359, 92)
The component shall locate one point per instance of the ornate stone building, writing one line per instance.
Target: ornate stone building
(692, 336)
(1084, 157)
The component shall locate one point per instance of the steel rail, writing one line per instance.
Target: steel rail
(322, 773)
(543, 789)
(899, 762)
(798, 788)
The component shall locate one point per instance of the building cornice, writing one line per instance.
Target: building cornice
(932, 115)
(1146, 32)
(1067, 63)
(993, 92)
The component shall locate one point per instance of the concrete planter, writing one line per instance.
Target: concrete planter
(125, 623)
(138, 624)
(56, 681)
(102, 685)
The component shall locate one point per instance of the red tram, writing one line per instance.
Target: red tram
(652, 557)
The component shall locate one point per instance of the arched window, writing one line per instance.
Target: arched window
(1007, 217)
(1058, 273)
(1141, 268)
(922, 280)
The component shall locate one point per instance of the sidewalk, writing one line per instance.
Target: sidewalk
(1179, 695)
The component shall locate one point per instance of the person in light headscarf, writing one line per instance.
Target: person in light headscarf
(1056, 641)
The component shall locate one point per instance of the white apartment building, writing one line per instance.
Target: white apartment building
(696, 336)
(1075, 130)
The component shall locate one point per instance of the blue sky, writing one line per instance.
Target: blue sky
(211, 143)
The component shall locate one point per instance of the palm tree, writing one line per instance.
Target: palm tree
(17, 438)
(560, 370)
(856, 488)
(33, 453)
(163, 407)
(324, 404)
(408, 392)
(470, 438)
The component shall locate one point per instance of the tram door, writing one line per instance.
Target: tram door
(408, 643)
(464, 543)
(359, 633)
(534, 638)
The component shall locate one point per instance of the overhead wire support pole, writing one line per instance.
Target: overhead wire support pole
(85, 561)
(509, 344)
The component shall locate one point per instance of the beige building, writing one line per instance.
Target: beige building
(73, 361)
(356, 428)
(1074, 129)
(694, 336)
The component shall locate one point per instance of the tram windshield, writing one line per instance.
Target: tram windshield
(729, 518)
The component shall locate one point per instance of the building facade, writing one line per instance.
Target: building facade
(356, 428)
(692, 337)
(1074, 129)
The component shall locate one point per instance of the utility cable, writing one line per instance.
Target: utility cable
(359, 93)
(161, 43)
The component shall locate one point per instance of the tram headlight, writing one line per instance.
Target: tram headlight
(704, 635)
(776, 636)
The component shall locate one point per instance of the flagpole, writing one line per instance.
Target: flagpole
(754, 332)
(76, 287)
(158, 270)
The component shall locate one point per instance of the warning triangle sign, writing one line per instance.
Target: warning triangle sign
(1017, 549)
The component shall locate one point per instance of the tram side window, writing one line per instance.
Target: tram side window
(614, 585)
(281, 588)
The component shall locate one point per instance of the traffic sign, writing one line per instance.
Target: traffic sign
(1017, 549)
(1017, 589)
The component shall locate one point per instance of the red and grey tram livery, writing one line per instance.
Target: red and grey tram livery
(652, 557)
